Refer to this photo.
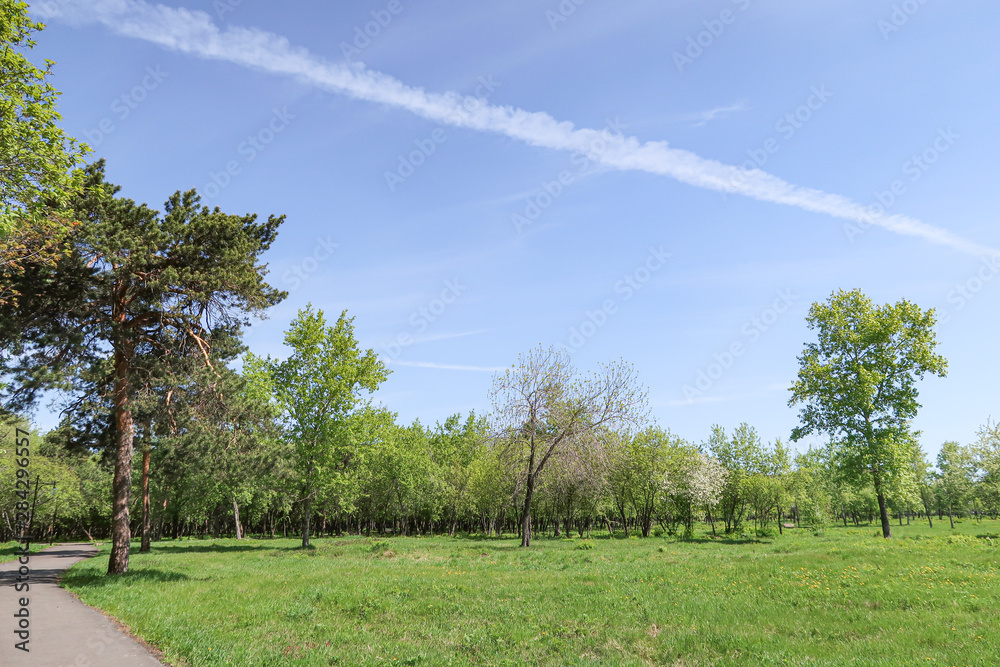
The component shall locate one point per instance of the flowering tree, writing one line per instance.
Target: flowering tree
(692, 481)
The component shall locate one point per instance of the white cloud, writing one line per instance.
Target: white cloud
(705, 116)
(194, 32)
(448, 336)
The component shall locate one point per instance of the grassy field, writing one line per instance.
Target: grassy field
(838, 596)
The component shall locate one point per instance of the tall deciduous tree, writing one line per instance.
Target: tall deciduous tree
(541, 406)
(742, 455)
(637, 467)
(857, 383)
(318, 389)
(956, 476)
(987, 453)
(132, 277)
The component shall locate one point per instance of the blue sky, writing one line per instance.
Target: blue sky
(664, 182)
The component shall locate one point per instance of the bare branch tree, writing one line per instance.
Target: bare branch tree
(540, 406)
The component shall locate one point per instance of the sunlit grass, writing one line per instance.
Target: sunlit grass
(842, 596)
(12, 550)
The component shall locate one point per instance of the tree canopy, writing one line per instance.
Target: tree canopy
(134, 285)
(318, 392)
(36, 156)
(857, 384)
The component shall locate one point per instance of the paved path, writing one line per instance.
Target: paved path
(63, 632)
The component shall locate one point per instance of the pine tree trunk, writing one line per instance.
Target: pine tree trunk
(121, 531)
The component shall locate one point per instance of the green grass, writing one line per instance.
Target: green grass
(842, 596)
(11, 550)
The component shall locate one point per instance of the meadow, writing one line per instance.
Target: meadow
(835, 596)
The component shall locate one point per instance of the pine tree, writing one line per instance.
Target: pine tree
(132, 278)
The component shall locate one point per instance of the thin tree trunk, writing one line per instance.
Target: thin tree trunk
(306, 515)
(145, 495)
(526, 512)
(236, 517)
(950, 517)
(121, 531)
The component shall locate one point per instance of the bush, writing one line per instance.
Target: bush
(584, 545)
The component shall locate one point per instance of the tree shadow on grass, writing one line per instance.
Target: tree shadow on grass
(89, 580)
(197, 548)
(723, 540)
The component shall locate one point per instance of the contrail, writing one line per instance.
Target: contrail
(194, 32)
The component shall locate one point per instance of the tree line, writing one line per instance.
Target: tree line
(457, 478)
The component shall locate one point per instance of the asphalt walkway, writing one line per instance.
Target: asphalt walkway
(61, 631)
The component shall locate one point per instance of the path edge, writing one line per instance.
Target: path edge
(125, 629)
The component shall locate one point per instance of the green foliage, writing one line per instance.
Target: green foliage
(857, 384)
(137, 281)
(750, 484)
(70, 486)
(36, 156)
(317, 391)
